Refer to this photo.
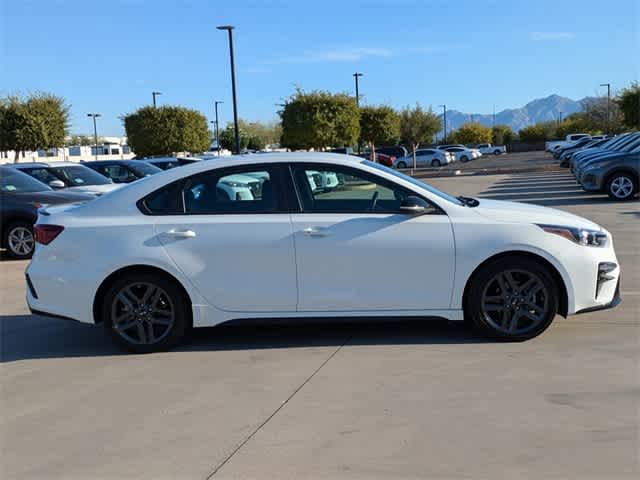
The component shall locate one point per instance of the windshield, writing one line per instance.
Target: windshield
(143, 169)
(79, 175)
(18, 182)
(414, 181)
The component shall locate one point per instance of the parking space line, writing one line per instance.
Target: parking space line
(275, 412)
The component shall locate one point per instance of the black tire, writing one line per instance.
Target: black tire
(19, 250)
(435, 163)
(497, 152)
(464, 159)
(401, 165)
(614, 188)
(484, 280)
(172, 297)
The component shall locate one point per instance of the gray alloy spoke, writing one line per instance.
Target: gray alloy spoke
(511, 283)
(127, 303)
(160, 321)
(152, 335)
(537, 310)
(530, 315)
(155, 299)
(131, 295)
(120, 318)
(527, 285)
(503, 285)
(142, 335)
(495, 299)
(494, 308)
(513, 320)
(127, 326)
(151, 290)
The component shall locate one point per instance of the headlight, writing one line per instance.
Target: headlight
(581, 236)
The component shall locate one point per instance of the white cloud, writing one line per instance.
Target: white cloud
(342, 54)
(540, 36)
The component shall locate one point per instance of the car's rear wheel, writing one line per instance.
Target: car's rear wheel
(401, 165)
(19, 240)
(435, 163)
(621, 186)
(145, 313)
(512, 298)
(464, 159)
(497, 152)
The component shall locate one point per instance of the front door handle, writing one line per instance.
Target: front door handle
(181, 233)
(316, 232)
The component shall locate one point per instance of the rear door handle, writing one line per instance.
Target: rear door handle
(316, 232)
(181, 233)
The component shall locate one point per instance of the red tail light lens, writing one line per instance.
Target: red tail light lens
(45, 234)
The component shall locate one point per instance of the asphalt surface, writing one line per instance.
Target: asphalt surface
(375, 401)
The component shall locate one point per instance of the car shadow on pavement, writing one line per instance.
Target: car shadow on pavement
(27, 337)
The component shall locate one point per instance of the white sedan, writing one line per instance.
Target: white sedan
(464, 154)
(425, 157)
(151, 260)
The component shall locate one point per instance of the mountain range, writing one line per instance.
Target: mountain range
(539, 110)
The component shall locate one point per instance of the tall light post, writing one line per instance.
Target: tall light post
(229, 29)
(154, 95)
(493, 124)
(215, 106)
(95, 131)
(608, 85)
(559, 118)
(444, 109)
(356, 75)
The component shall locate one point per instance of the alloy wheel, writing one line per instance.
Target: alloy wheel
(621, 187)
(515, 302)
(21, 241)
(142, 313)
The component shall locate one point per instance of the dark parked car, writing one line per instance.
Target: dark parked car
(20, 198)
(618, 176)
(123, 171)
(165, 163)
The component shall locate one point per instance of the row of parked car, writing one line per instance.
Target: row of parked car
(399, 157)
(609, 165)
(25, 187)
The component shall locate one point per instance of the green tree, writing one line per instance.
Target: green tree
(379, 125)
(470, 133)
(537, 132)
(629, 103)
(166, 130)
(227, 137)
(40, 121)
(501, 134)
(318, 120)
(418, 126)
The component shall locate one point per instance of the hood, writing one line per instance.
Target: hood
(96, 189)
(516, 212)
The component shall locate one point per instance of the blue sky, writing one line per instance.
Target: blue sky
(107, 56)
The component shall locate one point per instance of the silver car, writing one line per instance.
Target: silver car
(425, 157)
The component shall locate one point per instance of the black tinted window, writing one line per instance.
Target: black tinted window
(166, 201)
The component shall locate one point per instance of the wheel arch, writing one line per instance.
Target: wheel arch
(618, 170)
(563, 307)
(8, 220)
(111, 278)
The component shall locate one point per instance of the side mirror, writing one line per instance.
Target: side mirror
(414, 205)
(57, 184)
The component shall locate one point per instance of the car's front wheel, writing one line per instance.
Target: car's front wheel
(621, 186)
(19, 240)
(464, 159)
(512, 298)
(435, 163)
(145, 312)
(401, 165)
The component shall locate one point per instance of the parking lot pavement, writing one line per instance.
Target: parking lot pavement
(374, 401)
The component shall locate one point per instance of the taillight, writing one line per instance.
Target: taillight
(45, 234)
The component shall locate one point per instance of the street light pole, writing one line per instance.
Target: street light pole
(559, 118)
(608, 85)
(154, 94)
(444, 109)
(95, 131)
(356, 75)
(229, 29)
(215, 104)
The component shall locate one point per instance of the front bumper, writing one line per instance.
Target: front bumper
(591, 180)
(617, 299)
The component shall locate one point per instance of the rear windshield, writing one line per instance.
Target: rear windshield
(79, 175)
(143, 169)
(18, 182)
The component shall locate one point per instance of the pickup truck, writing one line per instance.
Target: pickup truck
(488, 149)
(573, 137)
